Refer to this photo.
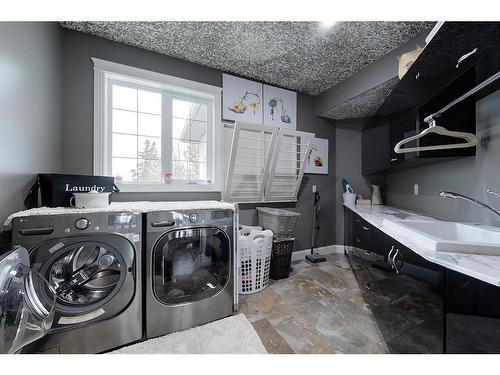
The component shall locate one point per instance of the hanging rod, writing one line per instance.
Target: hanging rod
(431, 118)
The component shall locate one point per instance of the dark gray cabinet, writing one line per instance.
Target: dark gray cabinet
(472, 310)
(403, 291)
(419, 306)
(376, 148)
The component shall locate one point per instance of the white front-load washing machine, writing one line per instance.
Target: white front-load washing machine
(190, 278)
(75, 276)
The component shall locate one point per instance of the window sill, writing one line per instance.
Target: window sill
(167, 188)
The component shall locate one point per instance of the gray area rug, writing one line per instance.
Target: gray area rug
(232, 335)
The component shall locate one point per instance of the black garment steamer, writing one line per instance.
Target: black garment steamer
(313, 257)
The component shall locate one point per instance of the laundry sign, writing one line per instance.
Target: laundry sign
(56, 190)
(84, 189)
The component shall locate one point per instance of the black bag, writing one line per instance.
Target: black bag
(57, 189)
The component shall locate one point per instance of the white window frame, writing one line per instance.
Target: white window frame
(106, 73)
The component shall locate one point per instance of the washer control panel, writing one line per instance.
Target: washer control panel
(32, 229)
(82, 223)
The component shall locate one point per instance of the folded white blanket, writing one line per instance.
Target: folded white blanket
(142, 206)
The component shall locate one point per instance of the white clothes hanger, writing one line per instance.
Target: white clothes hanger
(469, 138)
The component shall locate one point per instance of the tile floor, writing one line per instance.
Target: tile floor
(320, 308)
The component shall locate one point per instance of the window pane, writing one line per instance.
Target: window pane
(124, 98)
(187, 129)
(149, 160)
(180, 150)
(149, 147)
(150, 125)
(124, 121)
(148, 170)
(198, 131)
(150, 102)
(202, 152)
(180, 170)
(180, 128)
(189, 151)
(124, 145)
(188, 110)
(124, 169)
(197, 171)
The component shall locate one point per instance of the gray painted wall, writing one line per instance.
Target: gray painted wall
(78, 88)
(470, 176)
(348, 165)
(30, 107)
(77, 119)
(323, 128)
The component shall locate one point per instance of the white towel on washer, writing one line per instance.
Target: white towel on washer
(142, 206)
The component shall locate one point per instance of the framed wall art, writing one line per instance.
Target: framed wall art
(241, 100)
(280, 107)
(317, 159)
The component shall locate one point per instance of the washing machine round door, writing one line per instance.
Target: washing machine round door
(93, 276)
(24, 317)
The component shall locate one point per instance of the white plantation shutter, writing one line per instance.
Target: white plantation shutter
(263, 164)
(248, 164)
(287, 165)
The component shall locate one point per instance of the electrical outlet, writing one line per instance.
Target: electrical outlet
(415, 189)
(314, 188)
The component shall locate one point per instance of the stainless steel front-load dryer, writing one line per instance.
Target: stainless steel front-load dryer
(83, 273)
(189, 269)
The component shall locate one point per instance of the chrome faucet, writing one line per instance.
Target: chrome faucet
(494, 193)
(450, 194)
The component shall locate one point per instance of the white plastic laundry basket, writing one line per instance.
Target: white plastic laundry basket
(254, 252)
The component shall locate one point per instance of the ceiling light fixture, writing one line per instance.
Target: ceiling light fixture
(327, 24)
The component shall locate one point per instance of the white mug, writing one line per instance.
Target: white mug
(92, 199)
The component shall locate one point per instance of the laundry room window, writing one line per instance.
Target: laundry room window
(155, 132)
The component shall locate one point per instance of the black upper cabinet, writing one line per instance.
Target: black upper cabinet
(433, 81)
(376, 149)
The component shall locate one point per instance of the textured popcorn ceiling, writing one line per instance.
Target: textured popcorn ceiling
(300, 56)
(363, 105)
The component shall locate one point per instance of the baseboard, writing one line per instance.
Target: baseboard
(332, 249)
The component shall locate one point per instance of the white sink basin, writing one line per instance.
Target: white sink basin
(450, 236)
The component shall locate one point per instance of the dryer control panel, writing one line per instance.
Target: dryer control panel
(162, 221)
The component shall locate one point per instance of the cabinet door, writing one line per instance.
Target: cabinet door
(456, 48)
(403, 125)
(407, 303)
(367, 255)
(461, 117)
(375, 149)
(423, 303)
(363, 234)
(348, 225)
(472, 315)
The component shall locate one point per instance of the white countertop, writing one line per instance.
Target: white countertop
(482, 267)
(143, 206)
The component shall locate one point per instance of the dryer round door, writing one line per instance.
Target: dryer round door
(190, 265)
(24, 318)
(93, 276)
